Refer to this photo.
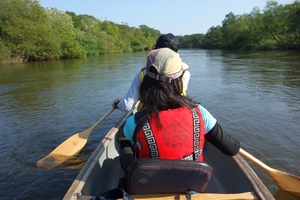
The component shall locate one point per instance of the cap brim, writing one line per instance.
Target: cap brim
(185, 66)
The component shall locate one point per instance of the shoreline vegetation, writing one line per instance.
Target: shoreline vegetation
(33, 33)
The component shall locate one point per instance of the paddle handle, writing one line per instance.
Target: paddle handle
(254, 160)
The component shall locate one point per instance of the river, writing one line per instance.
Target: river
(254, 95)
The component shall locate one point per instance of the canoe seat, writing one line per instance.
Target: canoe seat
(159, 176)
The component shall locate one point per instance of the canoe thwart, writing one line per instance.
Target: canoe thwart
(199, 196)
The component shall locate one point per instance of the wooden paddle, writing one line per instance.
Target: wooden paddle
(69, 147)
(285, 181)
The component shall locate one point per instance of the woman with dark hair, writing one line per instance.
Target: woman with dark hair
(170, 125)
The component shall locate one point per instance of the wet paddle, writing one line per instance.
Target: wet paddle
(69, 147)
(285, 181)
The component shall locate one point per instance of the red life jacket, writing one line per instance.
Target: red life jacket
(180, 136)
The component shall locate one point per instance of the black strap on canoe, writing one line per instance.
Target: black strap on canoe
(116, 193)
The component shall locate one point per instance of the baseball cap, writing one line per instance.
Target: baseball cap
(167, 63)
(167, 40)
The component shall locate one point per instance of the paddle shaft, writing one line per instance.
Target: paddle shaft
(86, 133)
(102, 118)
(254, 160)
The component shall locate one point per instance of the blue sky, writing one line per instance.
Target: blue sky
(180, 17)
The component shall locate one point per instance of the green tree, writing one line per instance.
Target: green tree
(197, 40)
(125, 33)
(4, 53)
(112, 32)
(90, 35)
(213, 38)
(185, 41)
(276, 24)
(26, 32)
(150, 36)
(293, 17)
(255, 32)
(234, 31)
(62, 25)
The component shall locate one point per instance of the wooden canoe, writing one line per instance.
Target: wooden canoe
(232, 177)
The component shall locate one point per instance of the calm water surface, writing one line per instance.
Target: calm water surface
(255, 96)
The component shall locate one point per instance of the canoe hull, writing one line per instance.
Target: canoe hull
(231, 175)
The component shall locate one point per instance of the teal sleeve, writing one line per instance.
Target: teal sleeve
(129, 127)
(209, 120)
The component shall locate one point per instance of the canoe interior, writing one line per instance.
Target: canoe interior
(103, 171)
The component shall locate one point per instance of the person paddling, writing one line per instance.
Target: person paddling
(132, 95)
(170, 125)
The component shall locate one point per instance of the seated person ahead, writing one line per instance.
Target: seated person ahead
(170, 124)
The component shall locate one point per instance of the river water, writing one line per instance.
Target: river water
(255, 96)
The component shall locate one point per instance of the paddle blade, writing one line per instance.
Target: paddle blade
(51, 161)
(69, 147)
(286, 181)
(70, 162)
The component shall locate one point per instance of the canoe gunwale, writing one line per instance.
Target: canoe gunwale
(74, 191)
(259, 188)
